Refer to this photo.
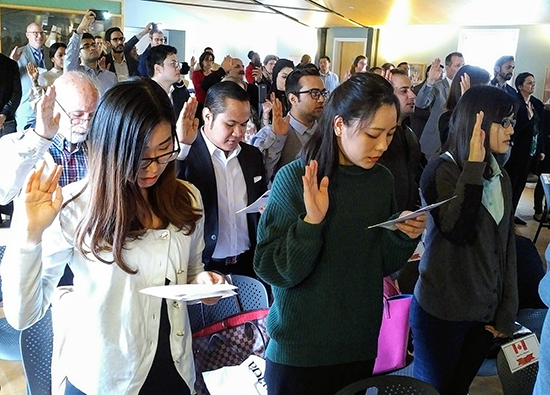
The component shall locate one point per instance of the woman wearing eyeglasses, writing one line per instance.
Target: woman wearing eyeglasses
(325, 267)
(467, 291)
(129, 225)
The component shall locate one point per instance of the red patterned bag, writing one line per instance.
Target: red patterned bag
(228, 343)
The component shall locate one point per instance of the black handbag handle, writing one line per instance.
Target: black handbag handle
(247, 324)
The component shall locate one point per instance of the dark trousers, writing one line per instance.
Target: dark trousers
(243, 266)
(447, 354)
(517, 170)
(318, 380)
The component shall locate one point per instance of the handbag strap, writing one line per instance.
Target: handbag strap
(230, 346)
(231, 322)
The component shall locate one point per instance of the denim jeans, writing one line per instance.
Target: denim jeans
(447, 354)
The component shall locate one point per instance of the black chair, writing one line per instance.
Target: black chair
(545, 181)
(521, 382)
(251, 295)
(388, 385)
(9, 337)
(36, 352)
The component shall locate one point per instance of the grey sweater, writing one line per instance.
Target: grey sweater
(468, 272)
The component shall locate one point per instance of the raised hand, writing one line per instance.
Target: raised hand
(477, 143)
(464, 83)
(33, 73)
(47, 123)
(435, 72)
(315, 197)
(187, 126)
(412, 227)
(227, 63)
(192, 62)
(257, 74)
(86, 22)
(280, 125)
(15, 54)
(43, 200)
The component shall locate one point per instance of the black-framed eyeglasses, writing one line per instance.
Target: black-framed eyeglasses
(161, 159)
(315, 93)
(75, 120)
(88, 46)
(507, 122)
(117, 39)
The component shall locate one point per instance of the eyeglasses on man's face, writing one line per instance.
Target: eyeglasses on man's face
(161, 159)
(175, 64)
(37, 33)
(78, 118)
(87, 46)
(507, 122)
(315, 93)
(117, 39)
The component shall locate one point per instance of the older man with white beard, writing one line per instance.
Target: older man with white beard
(63, 119)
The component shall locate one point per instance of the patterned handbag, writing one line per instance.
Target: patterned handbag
(228, 343)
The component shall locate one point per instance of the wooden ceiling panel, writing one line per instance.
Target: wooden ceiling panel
(344, 13)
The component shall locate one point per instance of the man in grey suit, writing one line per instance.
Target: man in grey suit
(34, 52)
(433, 96)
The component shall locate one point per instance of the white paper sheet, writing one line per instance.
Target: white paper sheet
(255, 207)
(191, 292)
(391, 224)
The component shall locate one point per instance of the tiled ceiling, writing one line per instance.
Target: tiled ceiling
(362, 13)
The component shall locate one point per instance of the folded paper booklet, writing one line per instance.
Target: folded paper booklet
(391, 224)
(255, 207)
(191, 292)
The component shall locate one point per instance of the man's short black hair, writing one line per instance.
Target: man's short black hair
(156, 55)
(110, 32)
(293, 80)
(449, 57)
(324, 57)
(87, 35)
(217, 95)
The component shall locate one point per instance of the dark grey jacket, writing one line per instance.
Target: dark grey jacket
(468, 271)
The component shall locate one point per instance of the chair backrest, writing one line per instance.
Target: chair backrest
(389, 385)
(521, 382)
(252, 293)
(201, 315)
(532, 319)
(9, 342)
(36, 352)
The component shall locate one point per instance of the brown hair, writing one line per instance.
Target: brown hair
(117, 210)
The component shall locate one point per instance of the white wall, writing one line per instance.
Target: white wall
(227, 32)
(422, 43)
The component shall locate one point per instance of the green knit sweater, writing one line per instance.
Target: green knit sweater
(327, 278)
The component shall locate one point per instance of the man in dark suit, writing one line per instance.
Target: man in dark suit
(10, 94)
(164, 68)
(34, 52)
(230, 175)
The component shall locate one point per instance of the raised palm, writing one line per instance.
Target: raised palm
(42, 200)
(315, 196)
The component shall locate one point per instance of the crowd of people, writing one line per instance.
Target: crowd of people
(124, 178)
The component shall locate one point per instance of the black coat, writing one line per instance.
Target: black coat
(197, 168)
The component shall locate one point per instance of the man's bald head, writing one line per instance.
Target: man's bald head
(35, 35)
(77, 97)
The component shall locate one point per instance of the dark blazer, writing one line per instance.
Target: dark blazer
(10, 87)
(132, 63)
(197, 168)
